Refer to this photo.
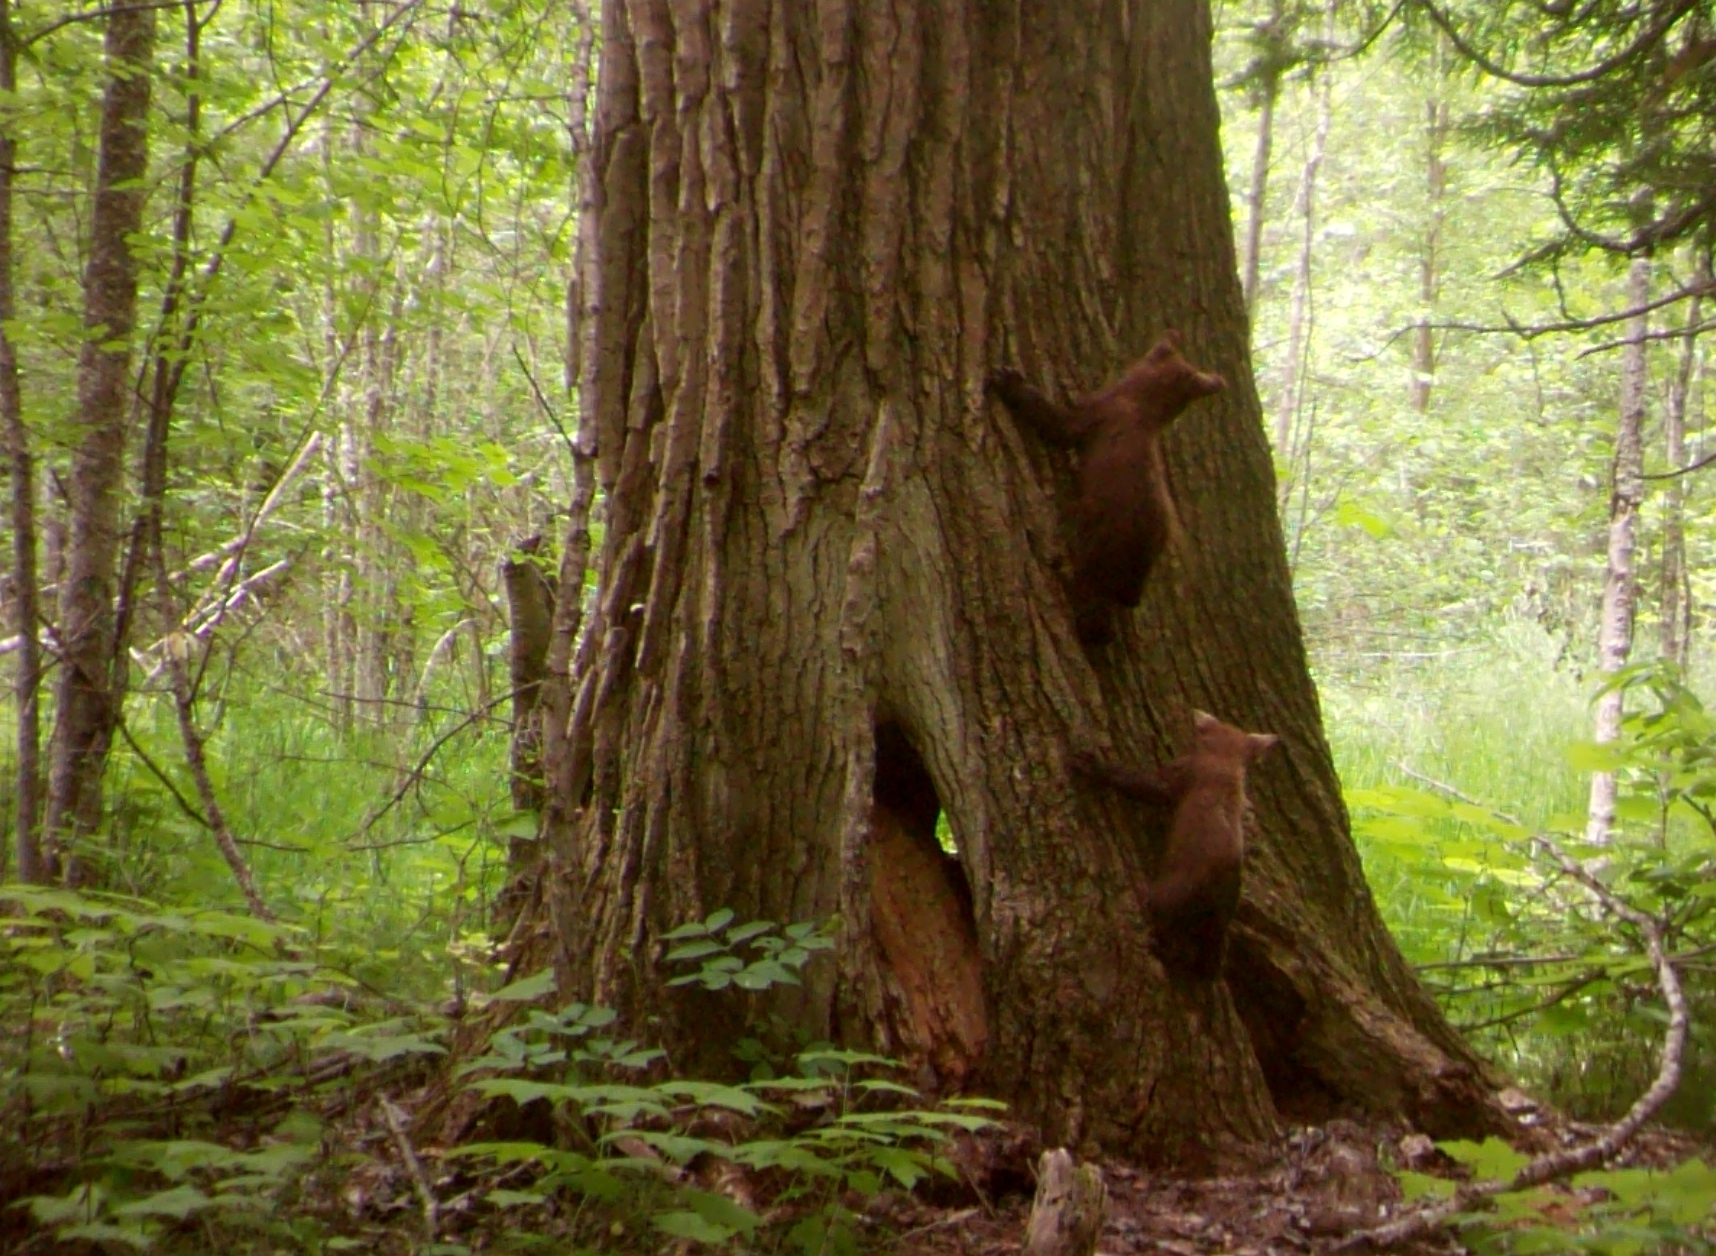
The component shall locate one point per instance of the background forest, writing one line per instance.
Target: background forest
(352, 318)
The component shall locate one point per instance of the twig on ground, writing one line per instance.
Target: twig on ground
(408, 1154)
(1556, 1164)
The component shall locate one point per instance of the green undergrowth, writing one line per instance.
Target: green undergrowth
(385, 845)
(1492, 725)
(1449, 775)
(181, 1079)
(1617, 1212)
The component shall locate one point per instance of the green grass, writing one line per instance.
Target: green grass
(1492, 723)
(388, 893)
(1497, 724)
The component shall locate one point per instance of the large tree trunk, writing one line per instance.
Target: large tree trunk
(829, 596)
(91, 665)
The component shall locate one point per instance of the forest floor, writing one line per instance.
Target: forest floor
(1308, 1193)
(1320, 1186)
(1323, 1184)
(1314, 1189)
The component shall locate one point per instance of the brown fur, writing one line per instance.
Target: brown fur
(1123, 515)
(1195, 890)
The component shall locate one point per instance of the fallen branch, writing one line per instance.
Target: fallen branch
(408, 1153)
(225, 556)
(238, 544)
(443, 645)
(44, 639)
(203, 619)
(201, 622)
(1557, 1164)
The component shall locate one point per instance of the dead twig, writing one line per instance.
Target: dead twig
(408, 1154)
(1557, 1164)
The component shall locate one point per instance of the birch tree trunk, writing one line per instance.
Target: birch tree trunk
(336, 573)
(1676, 625)
(91, 665)
(1615, 628)
(828, 602)
(1258, 192)
(1292, 396)
(1429, 255)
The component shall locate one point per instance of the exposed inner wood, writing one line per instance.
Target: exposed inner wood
(921, 913)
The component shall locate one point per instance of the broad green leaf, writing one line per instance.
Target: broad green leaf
(1491, 1159)
(178, 1203)
(526, 989)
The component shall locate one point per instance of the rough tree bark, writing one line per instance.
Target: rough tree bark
(829, 601)
(1620, 588)
(90, 666)
(25, 597)
(530, 619)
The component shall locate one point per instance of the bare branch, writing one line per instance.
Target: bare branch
(1644, 43)
(95, 15)
(1556, 1164)
(415, 774)
(1667, 333)
(1697, 466)
(1530, 331)
(407, 1153)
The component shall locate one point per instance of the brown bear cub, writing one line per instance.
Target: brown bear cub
(1195, 889)
(1123, 516)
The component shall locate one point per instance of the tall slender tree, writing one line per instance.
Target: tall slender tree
(1430, 249)
(91, 665)
(1675, 628)
(1620, 583)
(25, 597)
(1300, 315)
(1273, 56)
